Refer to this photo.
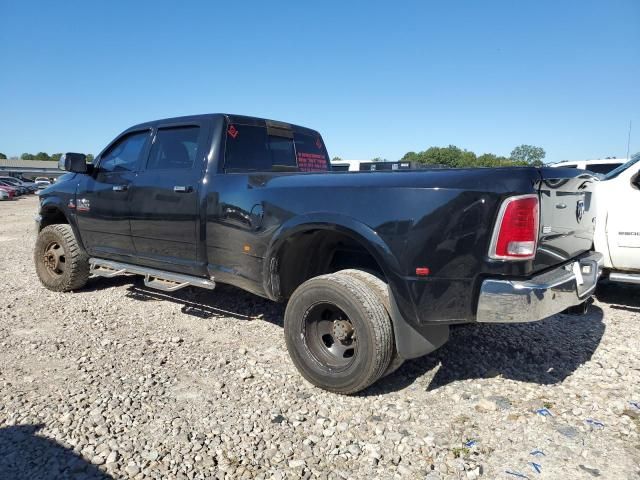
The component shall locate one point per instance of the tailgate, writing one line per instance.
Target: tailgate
(567, 215)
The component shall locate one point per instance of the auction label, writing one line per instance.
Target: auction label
(312, 162)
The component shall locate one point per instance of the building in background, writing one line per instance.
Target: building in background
(346, 165)
(367, 166)
(29, 169)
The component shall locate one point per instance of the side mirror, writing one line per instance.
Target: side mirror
(73, 162)
(635, 181)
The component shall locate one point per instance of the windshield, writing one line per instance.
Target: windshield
(617, 171)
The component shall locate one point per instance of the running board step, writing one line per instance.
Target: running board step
(625, 277)
(158, 279)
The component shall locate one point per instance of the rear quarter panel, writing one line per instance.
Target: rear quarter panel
(440, 219)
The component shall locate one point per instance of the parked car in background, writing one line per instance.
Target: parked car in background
(30, 188)
(5, 195)
(9, 190)
(27, 182)
(42, 183)
(22, 178)
(18, 190)
(617, 234)
(600, 166)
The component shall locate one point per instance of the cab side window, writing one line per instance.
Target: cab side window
(125, 153)
(174, 148)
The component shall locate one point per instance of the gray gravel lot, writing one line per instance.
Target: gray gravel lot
(118, 381)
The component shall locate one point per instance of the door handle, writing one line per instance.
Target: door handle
(120, 188)
(182, 188)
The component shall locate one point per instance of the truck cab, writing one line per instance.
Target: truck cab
(617, 234)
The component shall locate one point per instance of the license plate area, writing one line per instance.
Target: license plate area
(586, 274)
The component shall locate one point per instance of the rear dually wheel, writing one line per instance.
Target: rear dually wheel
(338, 332)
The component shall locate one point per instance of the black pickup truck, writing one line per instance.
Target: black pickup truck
(374, 266)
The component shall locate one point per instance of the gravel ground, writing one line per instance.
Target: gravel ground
(118, 381)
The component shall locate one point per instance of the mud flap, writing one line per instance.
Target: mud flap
(415, 341)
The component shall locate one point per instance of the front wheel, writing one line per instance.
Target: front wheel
(61, 264)
(338, 332)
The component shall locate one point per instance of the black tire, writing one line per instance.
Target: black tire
(338, 332)
(381, 289)
(61, 264)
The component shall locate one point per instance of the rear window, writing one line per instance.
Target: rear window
(252, 148)
(311, 153)
(617, 171)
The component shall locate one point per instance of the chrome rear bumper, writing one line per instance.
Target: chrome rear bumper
(508, 301)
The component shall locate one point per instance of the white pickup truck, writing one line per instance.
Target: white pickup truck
(617, 234)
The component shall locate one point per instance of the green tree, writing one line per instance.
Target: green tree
(378, 159)
(411, 157)
(3, 156)
(492, 160)
(528, 155)
(26, 156)
(450, 156)
(334, 159)
(454, 157)
(42, 156)
(56, 156)
(90, 157)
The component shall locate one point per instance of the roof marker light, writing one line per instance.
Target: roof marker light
(422, 271)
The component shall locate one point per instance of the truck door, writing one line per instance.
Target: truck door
(623, 221)
(102, 201)
(164, 203)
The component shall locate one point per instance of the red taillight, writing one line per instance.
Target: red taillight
(515, 236)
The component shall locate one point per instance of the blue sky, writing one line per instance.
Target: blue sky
(375, 78)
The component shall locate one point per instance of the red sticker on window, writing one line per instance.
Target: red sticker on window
(312, 162)
(232, 131)
(319, 143)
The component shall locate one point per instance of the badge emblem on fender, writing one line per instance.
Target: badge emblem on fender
(580, 210)
(83, 205)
